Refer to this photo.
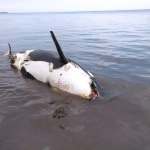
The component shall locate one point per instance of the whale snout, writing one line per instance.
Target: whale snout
(90, 93)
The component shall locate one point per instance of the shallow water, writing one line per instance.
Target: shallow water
(114, 46)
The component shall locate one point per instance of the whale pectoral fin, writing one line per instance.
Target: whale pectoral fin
(99, 88)
(26, 74)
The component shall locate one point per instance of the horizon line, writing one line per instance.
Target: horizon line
(79, 11)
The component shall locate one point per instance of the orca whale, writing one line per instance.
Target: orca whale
(59, 71)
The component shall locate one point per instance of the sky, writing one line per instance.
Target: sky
(71, 5)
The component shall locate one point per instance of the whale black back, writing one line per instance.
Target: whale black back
(47, 56)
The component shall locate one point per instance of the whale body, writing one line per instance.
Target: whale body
(59, 71)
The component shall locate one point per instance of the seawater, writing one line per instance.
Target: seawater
(114, 46)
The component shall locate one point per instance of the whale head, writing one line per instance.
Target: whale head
(72, 79)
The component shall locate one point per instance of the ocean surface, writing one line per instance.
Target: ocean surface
(114, 46)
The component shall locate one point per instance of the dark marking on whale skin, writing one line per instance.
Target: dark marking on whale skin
(26, 74)
(47, 56)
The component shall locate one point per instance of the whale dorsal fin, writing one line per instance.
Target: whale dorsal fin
(60, 52)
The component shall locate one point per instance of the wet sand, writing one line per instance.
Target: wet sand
(35, 116)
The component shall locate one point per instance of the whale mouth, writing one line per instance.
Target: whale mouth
(94, 94)
(95, 89)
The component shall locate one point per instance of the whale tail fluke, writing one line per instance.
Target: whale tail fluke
(60, 52)
(9, 51)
